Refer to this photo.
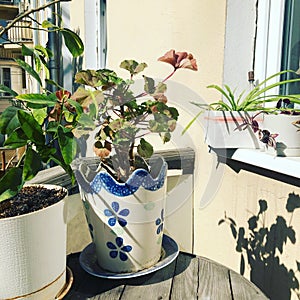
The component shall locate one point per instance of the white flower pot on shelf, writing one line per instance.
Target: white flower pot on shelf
(288, 139)
(33, 253)
(126, 226)
(222, 129)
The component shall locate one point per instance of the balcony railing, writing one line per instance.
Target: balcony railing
(20, 32)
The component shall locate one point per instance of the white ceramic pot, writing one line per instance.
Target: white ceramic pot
(127, 229)
(288, 139)
(33, 253)
(222, 129)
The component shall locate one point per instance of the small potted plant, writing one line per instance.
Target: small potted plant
(238, 121)
(124, 194)
(33, 220)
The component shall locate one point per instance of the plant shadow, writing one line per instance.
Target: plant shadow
(262, 247)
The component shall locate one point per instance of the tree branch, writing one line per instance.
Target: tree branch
(27, 13)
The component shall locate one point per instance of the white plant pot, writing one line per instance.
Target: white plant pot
(33, 253)
(127, 230)
(222, 130)
(288, 139)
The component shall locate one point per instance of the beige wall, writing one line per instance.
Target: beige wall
(145, 30)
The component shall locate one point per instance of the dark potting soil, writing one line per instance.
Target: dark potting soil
(30, 199)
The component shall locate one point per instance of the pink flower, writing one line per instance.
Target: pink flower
(180, 60)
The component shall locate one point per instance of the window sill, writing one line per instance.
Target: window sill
(285, 169)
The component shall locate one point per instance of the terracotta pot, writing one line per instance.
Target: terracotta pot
(222, 129)
(33, 253)
(127, 226)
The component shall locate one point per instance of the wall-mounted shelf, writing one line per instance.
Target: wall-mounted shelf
(285, 169)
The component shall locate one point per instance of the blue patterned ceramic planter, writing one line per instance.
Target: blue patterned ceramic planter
(125, 219)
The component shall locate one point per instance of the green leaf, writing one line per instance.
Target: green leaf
(160, 88)
(47, 24)
(9, 120)
(145, 149)
(73, 42)
(16, 139)
(29, 70)
(86, 121)
(27, 51)
(66, 167)
(149, 85)
(40, 114)
(32, 164)
(191, 122)
(46, 53)
(5, 89)
(41, 99)
(31, 128)
(11, 183)
(133, 66)
(67, 144)
(165, 136)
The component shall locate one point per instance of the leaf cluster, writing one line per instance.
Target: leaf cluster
(125, 118)
(43, 123)
(256, 99)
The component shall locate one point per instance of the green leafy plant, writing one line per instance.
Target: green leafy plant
(34, 123)
(255, 99)
(261, 246)
(48, 122)
(125, 118)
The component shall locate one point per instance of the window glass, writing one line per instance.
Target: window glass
(291, 45)
(5, 79)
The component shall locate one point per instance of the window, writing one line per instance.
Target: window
(278, 40)
(290, 58)
(5, 79)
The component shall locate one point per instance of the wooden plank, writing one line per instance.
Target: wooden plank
(91, 287)
(213, 281)
(153, 286)
(185, 282)
(244, 289)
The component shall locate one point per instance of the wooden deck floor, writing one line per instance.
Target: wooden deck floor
(187, 278)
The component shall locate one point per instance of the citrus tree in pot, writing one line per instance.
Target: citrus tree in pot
(33, 218)
(124, 196)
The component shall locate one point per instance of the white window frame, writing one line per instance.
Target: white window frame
(269, 39)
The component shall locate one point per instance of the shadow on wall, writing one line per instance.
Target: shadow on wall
(261, 247)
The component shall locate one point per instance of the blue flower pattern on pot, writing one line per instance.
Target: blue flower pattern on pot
(119, 248)
(115, 214)
(160, 222)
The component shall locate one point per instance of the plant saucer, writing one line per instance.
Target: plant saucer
(88, 261)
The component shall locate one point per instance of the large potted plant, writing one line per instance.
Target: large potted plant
(124, 194)
(242, 121)
(33, 217)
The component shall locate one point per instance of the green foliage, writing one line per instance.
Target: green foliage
(45, 123)
(261, 245)
(255, 99)
(126, 118)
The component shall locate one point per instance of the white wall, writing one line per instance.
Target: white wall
(239, 43)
